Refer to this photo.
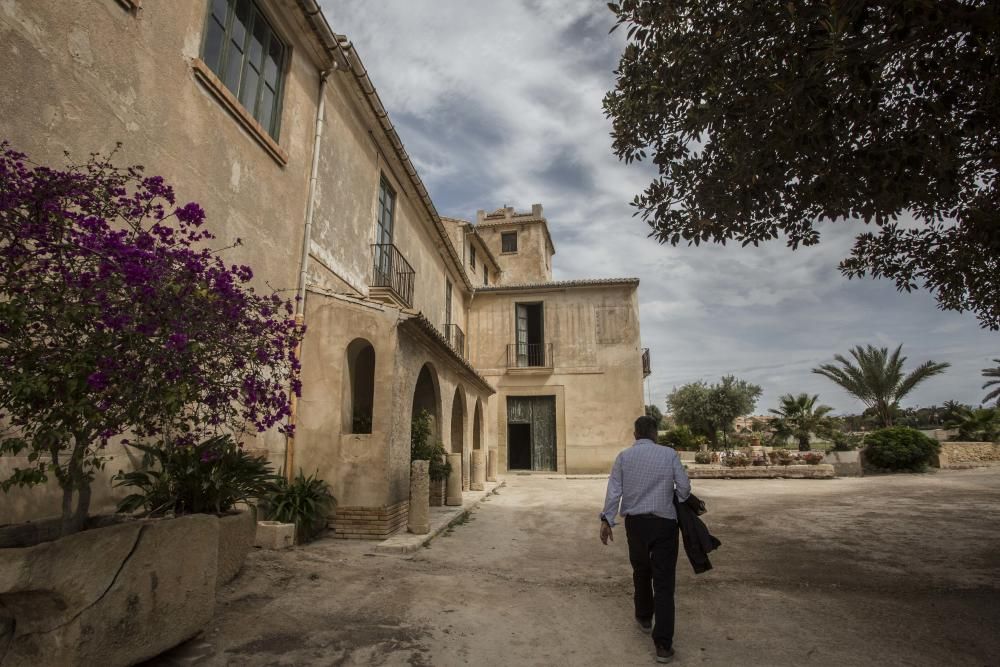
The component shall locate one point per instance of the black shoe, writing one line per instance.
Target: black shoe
(664, 654)
(645, 624)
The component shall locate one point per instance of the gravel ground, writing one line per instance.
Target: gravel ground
(888, 570)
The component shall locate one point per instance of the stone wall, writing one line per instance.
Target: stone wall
(968, 454)
(820, 471)
(369, 523)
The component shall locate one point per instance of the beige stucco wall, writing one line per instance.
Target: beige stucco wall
(969, 453)
(532, 263)
(597, 373)
(90, 74)
(372, 469)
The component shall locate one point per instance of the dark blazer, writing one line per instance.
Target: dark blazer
(697, 540)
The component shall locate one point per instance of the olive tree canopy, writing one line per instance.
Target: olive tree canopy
(767, 119)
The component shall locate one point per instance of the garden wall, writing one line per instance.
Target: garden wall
(820, 471)
(969, 454)
(45, 501)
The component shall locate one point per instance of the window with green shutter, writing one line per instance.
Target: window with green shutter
(248, 57)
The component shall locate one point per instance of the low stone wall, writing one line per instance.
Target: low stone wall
(369, 523)
(969, 454)
(845, 464)
(820, 471)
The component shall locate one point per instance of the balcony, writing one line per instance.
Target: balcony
(392, 276)
(646, 368)
(529, 356)
(456, 338)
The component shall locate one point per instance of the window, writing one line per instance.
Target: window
(508, 241)
(472, 256)
(360, 391)
(486, 275)
(447, 301)
(386, 212)
(241, 48)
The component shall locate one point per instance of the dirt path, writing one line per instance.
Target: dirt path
(901, 570)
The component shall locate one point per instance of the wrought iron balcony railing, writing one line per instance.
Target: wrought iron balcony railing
(456, 338)
(529, 355)
(391, 271)
(646, 368)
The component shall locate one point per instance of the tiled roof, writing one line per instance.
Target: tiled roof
(421, 322)
(558, 284)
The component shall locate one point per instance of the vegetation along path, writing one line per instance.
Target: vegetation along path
(892, 570)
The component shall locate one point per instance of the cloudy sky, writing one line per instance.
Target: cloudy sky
(500, 103)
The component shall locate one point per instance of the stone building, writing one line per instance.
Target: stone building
(260, 112)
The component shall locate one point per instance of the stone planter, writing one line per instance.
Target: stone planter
(437, 492)
(115, 595)
(236, 537)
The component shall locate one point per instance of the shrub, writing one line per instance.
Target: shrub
(210, 477)
(900, 448)
(738, 460)
(116, 317)
(424, 448)
(703, 457)
(305, 501)
(681, 438)
(845, 442)
(783, 456)
(812, 458)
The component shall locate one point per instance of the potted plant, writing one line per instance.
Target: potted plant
(304, 501)
(423, 447)
(117, 320)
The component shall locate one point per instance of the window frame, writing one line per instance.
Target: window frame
(506, 235)
(274, 131)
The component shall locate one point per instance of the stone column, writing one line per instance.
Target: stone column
(419, 519)
(478, 470)
(454, 494)
(491, 468)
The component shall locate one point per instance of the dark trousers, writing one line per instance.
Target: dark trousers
(652, 550)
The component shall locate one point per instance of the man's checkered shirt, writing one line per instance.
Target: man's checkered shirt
(644, 478)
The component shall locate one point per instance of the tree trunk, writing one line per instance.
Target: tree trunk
(75, 479)
(803, 443)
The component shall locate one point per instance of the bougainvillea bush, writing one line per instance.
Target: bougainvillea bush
(116, 316)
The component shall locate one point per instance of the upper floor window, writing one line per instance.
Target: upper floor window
(508, 241)
(486, 275)
(472, 256)
(245, 53)
(386, 212)
(447, 301)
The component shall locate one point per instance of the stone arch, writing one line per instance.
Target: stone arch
(427, 396)
(359, 387)
(458, 421)
(477, 425)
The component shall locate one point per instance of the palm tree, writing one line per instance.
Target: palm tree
(982, 424)
(876, 377)
(992, 373)
(800, 417)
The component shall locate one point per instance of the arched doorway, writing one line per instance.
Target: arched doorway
(359, 387)
(477, 426)
(427, 397)
(458, 433)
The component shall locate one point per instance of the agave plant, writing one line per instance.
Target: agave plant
(876, 377)
(304, 501)
(994, 394)
(209, 477)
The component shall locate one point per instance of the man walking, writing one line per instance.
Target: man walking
(643, 480)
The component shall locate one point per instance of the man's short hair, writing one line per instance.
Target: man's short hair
(646, 427)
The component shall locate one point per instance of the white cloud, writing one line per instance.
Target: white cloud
(500, 103)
